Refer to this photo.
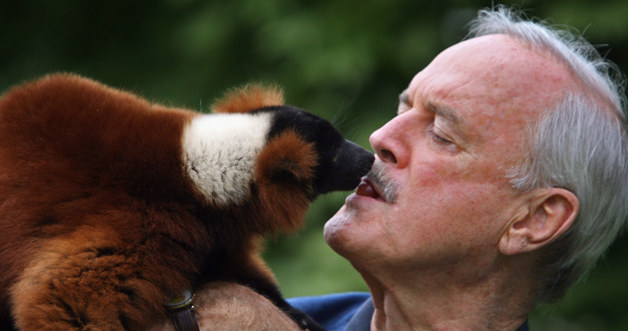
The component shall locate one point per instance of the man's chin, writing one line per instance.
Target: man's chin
(337, 228)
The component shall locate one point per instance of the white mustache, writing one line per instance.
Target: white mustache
(384, 183)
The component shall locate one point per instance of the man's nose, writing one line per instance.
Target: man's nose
(388, 145)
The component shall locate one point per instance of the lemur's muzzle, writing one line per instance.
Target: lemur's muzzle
(351, 163)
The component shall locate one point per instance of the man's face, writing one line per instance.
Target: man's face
(460, 126)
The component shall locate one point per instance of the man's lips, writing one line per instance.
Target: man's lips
(367, 189)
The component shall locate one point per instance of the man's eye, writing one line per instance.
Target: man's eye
(438, 138)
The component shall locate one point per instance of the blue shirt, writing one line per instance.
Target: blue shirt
(344, 311)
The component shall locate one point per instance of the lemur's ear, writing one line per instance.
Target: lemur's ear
(286, 157)
(248, 98)
(283, 167)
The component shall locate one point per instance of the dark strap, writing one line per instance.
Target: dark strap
(182, 312)
(304, 321)
(185, 320)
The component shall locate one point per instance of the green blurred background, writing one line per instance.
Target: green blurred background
(344, 60)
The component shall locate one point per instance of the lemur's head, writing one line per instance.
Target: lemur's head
(254, 148)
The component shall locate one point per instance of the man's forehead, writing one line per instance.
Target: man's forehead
(495, 72)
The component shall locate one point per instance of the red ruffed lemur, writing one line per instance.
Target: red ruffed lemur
(110, 204)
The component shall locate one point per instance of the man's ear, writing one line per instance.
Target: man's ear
(547, 216)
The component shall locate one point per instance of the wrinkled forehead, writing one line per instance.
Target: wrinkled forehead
(496, 75)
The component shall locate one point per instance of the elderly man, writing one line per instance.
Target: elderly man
(499, 183)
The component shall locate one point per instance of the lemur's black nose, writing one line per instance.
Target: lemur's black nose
(351, 163)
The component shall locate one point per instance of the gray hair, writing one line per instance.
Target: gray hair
(579, 144)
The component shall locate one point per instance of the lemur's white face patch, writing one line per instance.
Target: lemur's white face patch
(219, 154)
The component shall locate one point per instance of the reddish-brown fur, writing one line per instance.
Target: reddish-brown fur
(252, 96)
(287, 152)
(99, 222)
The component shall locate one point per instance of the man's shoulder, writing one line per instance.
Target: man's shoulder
(332, 311)
(335, 312)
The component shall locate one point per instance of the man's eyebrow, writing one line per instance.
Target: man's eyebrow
(439, 109)
(444, 111)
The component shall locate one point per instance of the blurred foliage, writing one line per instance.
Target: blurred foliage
(344, 60)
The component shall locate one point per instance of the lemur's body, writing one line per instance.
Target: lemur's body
(109, 204)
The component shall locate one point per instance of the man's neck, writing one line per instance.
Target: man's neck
(437, 302)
